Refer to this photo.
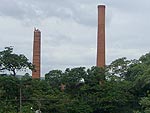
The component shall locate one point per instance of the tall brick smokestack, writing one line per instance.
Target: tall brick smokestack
(101, 37)
(36, 53)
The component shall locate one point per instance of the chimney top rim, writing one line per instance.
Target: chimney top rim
(101, 6)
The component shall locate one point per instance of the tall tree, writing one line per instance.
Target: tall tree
(13, 62)
(54, 77)
(119, 67)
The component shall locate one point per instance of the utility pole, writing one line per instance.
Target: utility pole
(20, 107)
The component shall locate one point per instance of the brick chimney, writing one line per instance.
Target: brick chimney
(36, 53)
(101, 37)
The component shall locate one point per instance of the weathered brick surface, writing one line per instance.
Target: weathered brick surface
(101, 36)
(37, 53)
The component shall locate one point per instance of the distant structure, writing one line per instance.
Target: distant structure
(101, 37)
(37, 54)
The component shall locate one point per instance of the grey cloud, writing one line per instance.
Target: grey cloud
(34, 10)
(12, 9)
(57, 39)
(80, 11)
(71, 55)
(134, 6)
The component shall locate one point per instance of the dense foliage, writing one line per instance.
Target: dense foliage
(12, 62)
(121, 87)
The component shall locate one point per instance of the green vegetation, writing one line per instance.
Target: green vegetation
(12, 62)
(121, 87)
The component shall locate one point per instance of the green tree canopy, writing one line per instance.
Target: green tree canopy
(13, 62)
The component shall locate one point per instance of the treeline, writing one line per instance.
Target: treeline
(121, 87)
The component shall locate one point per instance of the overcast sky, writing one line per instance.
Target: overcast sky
(69, 30)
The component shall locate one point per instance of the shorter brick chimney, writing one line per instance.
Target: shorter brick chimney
(37, 54)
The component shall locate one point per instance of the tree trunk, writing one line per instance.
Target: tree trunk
(14, 72)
